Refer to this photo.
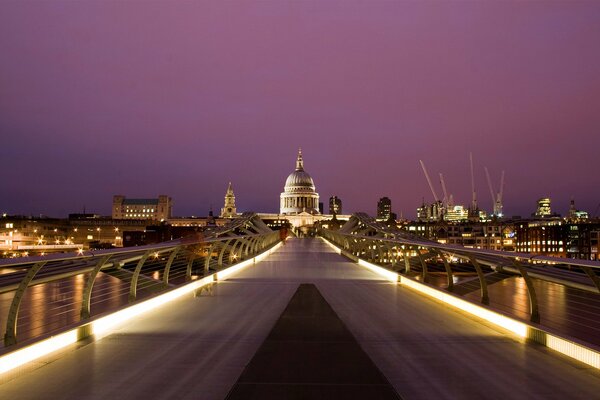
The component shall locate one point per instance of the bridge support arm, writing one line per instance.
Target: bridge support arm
(167, 270)
(89, 285)
(533, 303)
(449, 274)
(406, 261)
(222, 252)
(485, 299)
(423, 265)
(207, 259)
(10, 336)
(592, 275)
(136, 275)
(188, 268)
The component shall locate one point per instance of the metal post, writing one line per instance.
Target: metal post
(136, 275)
(87, 290)
(406, 261)
(222, 252)
(372, 251)
(244, 249)
(207, 259)
(381, 253)
(167, 270)
(592, 275)
(423, 265)
(233, 256)
(484, 292)
(533, 304)
(253, 246)
(450, 277)
(188, 269)
(10, 336)
(391, 255)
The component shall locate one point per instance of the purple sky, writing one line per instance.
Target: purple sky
(145, 98)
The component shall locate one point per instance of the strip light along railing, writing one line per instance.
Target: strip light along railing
(177, 261)
(395, 253)
(389, 257)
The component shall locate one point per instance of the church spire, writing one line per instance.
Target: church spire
(229, 210)
(299, 161)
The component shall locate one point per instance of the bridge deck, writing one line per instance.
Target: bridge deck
(198, 347)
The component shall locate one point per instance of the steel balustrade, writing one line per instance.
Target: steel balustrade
(243, 238)
(363, 237)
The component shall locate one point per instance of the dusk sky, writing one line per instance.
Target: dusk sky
(145, 98)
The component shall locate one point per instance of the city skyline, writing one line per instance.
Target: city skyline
(101, 99)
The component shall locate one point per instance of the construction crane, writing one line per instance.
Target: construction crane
(496, 196)
(499, 204)
(448, 202)
(435, 196)
(474, 195)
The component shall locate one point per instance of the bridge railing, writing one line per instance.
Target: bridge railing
(77, 294)
(364, 238)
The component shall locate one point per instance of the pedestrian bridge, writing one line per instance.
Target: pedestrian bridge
(305, 322)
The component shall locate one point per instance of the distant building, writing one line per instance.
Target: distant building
(457, 213)
(228, 210)
(546, 238)
(544, 209)
(321, 208)
(576, 215)
(384, 209)
(159, 209)
(430, 212)
(22, 236)
(496, 235)
(335, 205)
(555, 237)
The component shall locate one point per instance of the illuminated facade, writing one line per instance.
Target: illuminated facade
(457, 213)
(159, 209)
(228, 210)
(299, 194)
(543, 208)
(431, 212)
(548, 238)
(481, 235)
(576, 215)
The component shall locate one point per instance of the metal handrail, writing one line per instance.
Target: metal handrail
(362, 236)
(190, 251)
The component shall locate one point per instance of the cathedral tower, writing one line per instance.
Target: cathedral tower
(228, 210)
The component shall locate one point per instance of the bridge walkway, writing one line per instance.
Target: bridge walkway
(199, 347)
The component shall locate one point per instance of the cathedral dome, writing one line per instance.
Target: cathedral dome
(299, 179)
(299, 193)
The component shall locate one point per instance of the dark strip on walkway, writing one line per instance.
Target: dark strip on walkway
(310, 354)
